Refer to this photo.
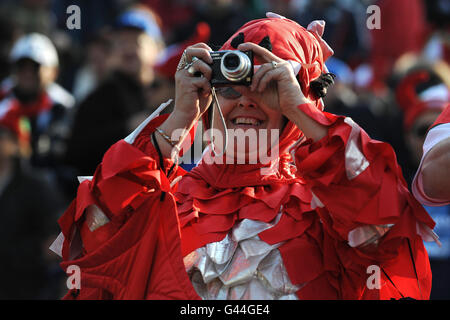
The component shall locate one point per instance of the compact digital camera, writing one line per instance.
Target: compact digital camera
(232, 67)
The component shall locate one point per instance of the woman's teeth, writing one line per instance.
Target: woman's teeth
(246, 121)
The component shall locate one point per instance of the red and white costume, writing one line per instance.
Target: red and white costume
(308, 230)
(439, 131)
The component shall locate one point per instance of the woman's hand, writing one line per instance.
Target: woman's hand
(192, 98)
(193, 94)
(275, 78)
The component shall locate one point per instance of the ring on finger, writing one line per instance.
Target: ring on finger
(191, 70)
(182, 62)
(190, 66)
(274, 64)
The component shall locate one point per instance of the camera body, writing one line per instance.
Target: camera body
(232, 67)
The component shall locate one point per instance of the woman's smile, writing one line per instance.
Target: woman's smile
(246, 121)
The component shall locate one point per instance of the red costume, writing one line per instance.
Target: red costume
(439, 131)
(403, 30)
(343, 202)
(444, 117)
(434, 99)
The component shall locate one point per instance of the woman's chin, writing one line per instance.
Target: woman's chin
(242, 154)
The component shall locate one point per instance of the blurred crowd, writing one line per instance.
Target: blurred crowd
(67, 95)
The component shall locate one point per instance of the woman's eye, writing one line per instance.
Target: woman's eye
(228, 93)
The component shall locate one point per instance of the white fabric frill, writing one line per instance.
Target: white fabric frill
(241, 266)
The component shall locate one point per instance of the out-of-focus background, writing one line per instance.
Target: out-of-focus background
(74, 80)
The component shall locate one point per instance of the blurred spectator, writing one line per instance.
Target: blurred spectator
(403, 29)
(7, 37)
(29, 205)
(173, 13)
(115, 108)
(343, 31)
(29, 15)
(431, 184)
(223, 17)
(366, 109)
(282, 7)
(31, 87)
(423, 95)
(98, 63)
(438, 45)
(95, 15)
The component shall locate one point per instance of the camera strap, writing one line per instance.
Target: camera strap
(217, 105)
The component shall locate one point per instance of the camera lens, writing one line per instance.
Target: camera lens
(231, 62)
(235, 66)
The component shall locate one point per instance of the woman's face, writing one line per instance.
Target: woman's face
(252, 118)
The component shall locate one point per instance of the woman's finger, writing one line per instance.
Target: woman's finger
(201, 45)
(203, 88)
(202, 53)
(260, 52)
(259, 74)
(203, 84)
(200, 66)
(189, 83)
(280, 73)
(192, 92)
(268, 77)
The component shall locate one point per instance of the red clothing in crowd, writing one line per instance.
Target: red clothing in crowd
(403, 29)
(439, 131)
(444, 117)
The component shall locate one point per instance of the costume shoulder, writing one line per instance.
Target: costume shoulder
(122, 229)
(444, 117)
(364, 202)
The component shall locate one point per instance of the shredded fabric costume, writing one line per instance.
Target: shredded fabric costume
(440, 130)
(310, 229)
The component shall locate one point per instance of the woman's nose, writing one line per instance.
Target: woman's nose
(245, 101)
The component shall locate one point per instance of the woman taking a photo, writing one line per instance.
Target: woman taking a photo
(329, 217)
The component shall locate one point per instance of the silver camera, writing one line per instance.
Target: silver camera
(232, 67)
